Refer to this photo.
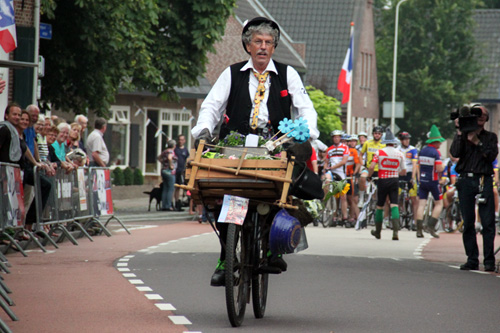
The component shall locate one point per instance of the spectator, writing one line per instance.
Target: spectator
(60, 143)
(13, 149)
(83, 122)
(182, 153)
(168, 161)
(96, 147)
(54, 161)
(41, 139)
(29, 133)
(75, 144)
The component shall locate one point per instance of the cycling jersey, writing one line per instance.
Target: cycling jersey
(335, 154)
(371, 147)
(390, 161)
(428, 159)
(352, 161)
(411, 154)
(362, 157)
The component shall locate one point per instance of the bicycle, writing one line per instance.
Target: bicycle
(453, 218)
(367, 214)
(405, 205)
(247, 270)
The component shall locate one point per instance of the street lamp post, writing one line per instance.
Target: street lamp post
(395, 65)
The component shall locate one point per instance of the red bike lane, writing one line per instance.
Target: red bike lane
(78, 289)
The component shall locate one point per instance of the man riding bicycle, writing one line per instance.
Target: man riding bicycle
(252, 104)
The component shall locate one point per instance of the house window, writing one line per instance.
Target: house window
(117, 136)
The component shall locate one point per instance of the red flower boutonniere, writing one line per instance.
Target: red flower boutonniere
(284, 93)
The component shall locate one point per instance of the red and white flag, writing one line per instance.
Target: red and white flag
(8, 39)
(344, 82)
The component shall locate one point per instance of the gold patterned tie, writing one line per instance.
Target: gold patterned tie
(259, 96)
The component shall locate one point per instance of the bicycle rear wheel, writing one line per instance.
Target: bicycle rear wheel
(260, 281)
(237, 274)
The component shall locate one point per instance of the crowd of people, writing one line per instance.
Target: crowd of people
(471, 169)
(30, 139)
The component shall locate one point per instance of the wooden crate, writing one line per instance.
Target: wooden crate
(260, 180)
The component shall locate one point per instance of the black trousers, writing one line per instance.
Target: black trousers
(45, 184)
(468, 188)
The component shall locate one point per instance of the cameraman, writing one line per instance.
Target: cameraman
(476, 149)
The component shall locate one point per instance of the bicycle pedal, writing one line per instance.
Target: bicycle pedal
(269, 270)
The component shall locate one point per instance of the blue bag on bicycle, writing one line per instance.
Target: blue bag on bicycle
(285, 233)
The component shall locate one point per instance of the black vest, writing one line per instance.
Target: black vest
(239, 105)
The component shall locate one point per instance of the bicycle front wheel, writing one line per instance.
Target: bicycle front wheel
(260, 281)
(237, 277)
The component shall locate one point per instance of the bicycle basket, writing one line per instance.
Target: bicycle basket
(285, 233)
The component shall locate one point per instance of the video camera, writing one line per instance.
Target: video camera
(467, 117)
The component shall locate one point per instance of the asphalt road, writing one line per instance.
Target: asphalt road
(346, 281)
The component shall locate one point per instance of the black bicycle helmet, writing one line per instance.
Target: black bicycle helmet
(404, 135)
(378, 129)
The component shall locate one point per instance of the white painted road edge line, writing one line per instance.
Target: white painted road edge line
(179, 320)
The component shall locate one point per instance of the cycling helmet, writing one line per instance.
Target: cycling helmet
(353, 137)
(345, 137)
(378, 129)
(363, 134)
(336, 132)
(404, 135)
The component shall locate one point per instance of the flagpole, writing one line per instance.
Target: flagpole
(349, 103)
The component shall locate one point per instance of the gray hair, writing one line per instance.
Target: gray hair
(263, 28)
(80, 116)
(63, 125)
(100, 123)
(171, 143)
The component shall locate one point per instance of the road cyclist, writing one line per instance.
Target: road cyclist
(370, 148)
(337, 155)
(411, 157)
(353, 167)
(391, 165)
(430, 167)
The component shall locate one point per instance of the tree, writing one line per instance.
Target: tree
(437, 61)
(101, 46)
(328, 109)
(491, 4)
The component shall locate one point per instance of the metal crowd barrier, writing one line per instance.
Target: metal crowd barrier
(76, 200)
(101, 198)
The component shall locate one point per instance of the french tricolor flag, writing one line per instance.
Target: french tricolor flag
(8, 39)
(344, 82)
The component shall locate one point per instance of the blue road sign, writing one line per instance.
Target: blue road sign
(45, 31)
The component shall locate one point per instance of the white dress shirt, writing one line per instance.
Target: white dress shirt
(214, 105)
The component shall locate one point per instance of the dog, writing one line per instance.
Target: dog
(155, 193)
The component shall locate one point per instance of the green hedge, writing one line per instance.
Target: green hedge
(128, 176)
(118, 178)
(138, 177)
